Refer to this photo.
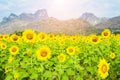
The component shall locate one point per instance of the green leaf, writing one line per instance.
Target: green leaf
(65, 77)
(70, 72)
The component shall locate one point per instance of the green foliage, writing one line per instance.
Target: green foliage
(83, 65)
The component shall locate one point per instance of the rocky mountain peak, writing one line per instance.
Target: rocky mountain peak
(90, 17)
(42, 13)
(38, 15)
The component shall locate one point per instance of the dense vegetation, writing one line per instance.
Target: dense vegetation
(40, 56)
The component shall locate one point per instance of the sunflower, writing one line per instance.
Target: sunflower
(51, 36)
(71, 50)
(62, 57)
(106, 33)
(14, 50)
(14, 38)
(29, 36)
(42, 36)
(10, 59)
(43, 53)
(29, 52)
(61, 42)
(16, 75)
(112, 55)
(6, 69)
(95, 39)
(1, 36)
(3, 46)
(5, 37)
(103, 68)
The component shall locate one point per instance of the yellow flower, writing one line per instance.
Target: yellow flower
(10, 59)
(77, 49)
(62, 42)
(62, 57)
(112, 55)
(14, 38)
(42, 36)
(103, 68)
(43, 53)
(14, 50)
(29, 36)
(16, 75)
(51, 36)
(3, 46)
(5, 37)
(6, 69)
(95, 39)
(1, 36)
(106, 33)
(71, 50)
(29, 52)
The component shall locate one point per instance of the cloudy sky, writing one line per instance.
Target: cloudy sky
(61, 9)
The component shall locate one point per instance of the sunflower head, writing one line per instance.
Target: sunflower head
(43, 53)
(71, 50)
(106, 33)
(61, 42)
(1, 36)
(112, 55)
(62, 58)
(10, 59)
(16, 75)
(14, 38)
(51, 36)
(42, 36)
(14, 50)
(5, 37)
(29, 36)
(6, 69)
(95, 39)
(29, 52)
(3, 46)
(103, 68)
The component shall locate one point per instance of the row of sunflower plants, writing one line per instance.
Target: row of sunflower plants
(42, 56)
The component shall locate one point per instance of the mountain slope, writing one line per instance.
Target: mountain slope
(49, 25)
(38, 15)
(92, 19)
(111, 23)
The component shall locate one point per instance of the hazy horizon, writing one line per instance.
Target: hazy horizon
(61, 9)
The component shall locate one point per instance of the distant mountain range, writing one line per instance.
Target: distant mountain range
(40, 21)
(91, 18)
(38, 15)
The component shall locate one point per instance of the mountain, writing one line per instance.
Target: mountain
(92, 19)
(113, 23)
(38, 15)
(49, 25)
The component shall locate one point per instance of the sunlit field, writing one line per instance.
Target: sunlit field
(43, 56)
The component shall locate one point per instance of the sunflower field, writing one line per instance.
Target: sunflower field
(42, 56)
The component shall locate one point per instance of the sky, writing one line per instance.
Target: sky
(61, 9)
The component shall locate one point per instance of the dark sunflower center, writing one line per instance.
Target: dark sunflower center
(104, 68)
(1, 36)
(51, 36)
(3, 46)
(43, 53)
(94, 39)
(14, 50)
(70, 50)
(42, 36)
(61, 57)
(15, 38)
(105, 33)
(29, 36)
(6, 37)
